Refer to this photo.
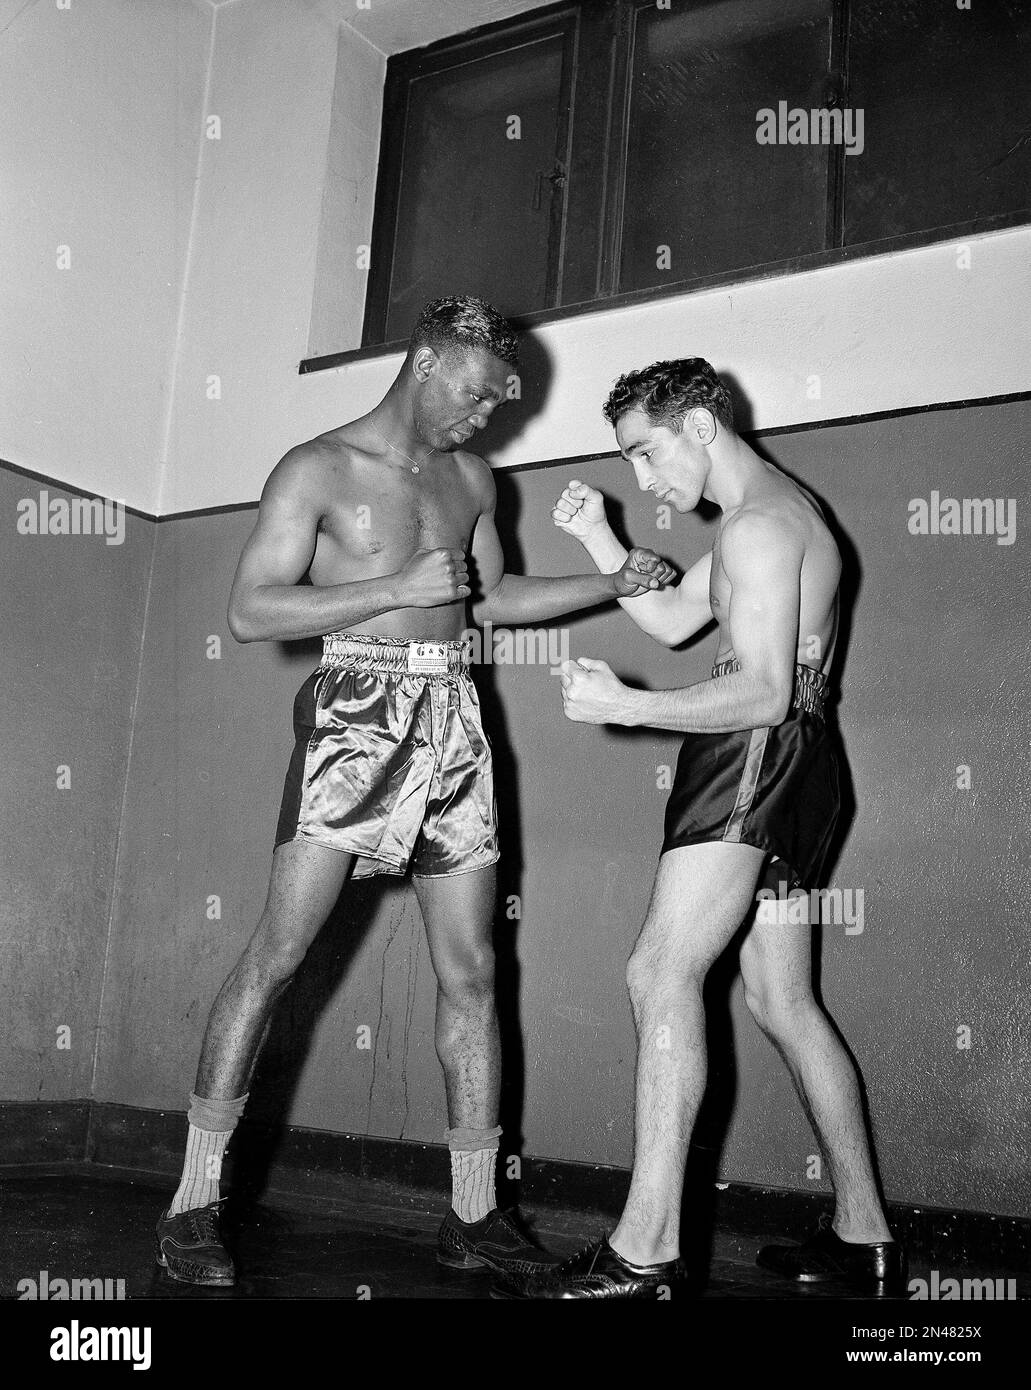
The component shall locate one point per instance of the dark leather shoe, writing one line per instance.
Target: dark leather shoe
(495, 1243)
(598, 1272)
(879, 1268)
(191, 1248)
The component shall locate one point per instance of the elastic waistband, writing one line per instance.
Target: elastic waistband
(810, 692)
(423, 657)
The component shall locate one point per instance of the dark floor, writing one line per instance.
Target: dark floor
(85, 1222)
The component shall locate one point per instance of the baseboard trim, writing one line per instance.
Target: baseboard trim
(290, 1159)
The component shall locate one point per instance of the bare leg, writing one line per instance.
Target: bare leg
(306, 882)
(702, 894)
(777, 971)
(459, 914)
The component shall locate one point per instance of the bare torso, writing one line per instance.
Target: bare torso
(377, 513)
(797, 512)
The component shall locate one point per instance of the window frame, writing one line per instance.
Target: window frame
(585, 255)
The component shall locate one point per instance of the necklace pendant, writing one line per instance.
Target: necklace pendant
(416, 468)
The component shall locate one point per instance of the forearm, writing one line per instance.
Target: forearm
(519, 599)
(285, 612)
(650, 611)
(737, 701)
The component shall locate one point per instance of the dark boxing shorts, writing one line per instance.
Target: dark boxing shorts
(775, 788)
(390, 761)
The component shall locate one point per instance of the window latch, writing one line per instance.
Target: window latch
(556, 178)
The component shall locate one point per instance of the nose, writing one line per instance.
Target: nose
(643, 475)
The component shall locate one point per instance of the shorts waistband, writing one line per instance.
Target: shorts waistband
(810, 693)
(398, 655)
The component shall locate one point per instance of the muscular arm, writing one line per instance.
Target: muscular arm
(267, 602)
(670, 615)
(515, 599)
(764, 568)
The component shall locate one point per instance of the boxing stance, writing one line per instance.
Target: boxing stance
(752, 811)
(391, 768)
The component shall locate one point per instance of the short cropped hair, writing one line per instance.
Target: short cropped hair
(460, 321)
(666, 391)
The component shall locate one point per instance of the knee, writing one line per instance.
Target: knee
(273, 956)
(650, 974)
(779, 1013)
(468, 974)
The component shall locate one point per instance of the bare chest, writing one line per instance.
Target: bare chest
(377, 523)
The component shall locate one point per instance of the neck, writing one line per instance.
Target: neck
(393, 418)
(736, 472)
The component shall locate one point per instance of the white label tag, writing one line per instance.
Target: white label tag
(424, 657)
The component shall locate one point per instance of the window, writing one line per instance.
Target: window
(609, 147)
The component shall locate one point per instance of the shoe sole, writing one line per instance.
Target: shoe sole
(205, 1278)
(876, 1288)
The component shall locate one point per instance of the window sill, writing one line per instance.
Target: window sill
(816, 260)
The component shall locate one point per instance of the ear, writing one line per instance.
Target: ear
(423, 362)
(702, 423)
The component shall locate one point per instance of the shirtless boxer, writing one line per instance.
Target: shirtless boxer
(753, 806)
(391, 768)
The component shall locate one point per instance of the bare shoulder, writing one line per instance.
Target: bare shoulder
(303, 473)
(477, 478)
(758, 530)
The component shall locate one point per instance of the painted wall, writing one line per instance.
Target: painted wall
(935, 679)
(99, 156)
(71, 622)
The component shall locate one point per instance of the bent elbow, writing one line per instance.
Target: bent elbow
(241, 629)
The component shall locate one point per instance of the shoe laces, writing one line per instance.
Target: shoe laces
(205, 1220)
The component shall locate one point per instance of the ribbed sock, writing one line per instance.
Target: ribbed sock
(211, 1127)
(474, 1154)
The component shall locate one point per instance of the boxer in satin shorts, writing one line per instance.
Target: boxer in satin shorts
(391, 762)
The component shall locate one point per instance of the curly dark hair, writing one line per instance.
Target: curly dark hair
(666, 391)
(463, 322)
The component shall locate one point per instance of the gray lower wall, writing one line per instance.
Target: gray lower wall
(71, 624)
(934, 678)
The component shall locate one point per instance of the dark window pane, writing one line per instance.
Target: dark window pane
(475, 208)
(947, 98)
(697, 179)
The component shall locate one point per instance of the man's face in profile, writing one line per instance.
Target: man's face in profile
(663, 459)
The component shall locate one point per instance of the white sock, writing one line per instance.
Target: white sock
(211, 1127)
(201, 1170)
(474, 1156)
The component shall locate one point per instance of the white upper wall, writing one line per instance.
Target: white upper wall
(99, 133)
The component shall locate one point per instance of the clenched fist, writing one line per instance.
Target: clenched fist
(642, 570)
(580, 510)
(432, 578)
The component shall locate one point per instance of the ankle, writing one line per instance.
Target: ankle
(640, 1248)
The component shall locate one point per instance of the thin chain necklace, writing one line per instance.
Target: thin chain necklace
(416, 468)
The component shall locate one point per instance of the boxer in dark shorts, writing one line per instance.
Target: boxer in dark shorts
(754, 803)
(775, 787)
(391, 763)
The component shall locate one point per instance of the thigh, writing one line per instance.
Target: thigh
(458, 910)
(305, 884)
(776, 957)
(702, 894)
